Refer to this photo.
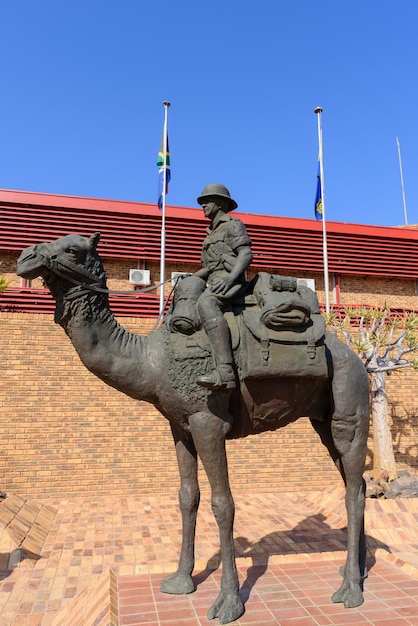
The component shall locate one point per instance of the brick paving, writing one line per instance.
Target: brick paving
(293, 594)
(103, 558)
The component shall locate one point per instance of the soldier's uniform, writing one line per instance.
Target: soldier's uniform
(219, 250)
(225, 236)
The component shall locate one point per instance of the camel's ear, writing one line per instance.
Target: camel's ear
(94, 240)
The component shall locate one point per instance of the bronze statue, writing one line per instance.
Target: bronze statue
(285, 367)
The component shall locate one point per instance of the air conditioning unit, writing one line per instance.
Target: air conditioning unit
(175, 276)
(139, 277)
(306, 282)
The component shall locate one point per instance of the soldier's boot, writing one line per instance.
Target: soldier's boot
(223, 375)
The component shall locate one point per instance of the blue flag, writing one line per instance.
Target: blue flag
(161, 167)
(318, 197)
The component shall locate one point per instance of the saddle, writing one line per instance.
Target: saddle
(277, 329)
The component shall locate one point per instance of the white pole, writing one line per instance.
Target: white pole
(318, 112)
(162, 253)
(403, 188)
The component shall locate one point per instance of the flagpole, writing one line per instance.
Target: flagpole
(403, 188)
(164, 190)
(318, 112)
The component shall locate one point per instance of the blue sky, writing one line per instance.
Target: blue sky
(83, 84)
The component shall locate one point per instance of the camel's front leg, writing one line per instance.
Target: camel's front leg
(208, 431)
(189, 495)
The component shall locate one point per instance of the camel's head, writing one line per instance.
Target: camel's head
(64, 264)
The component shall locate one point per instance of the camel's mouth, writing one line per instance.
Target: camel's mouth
(29, 265)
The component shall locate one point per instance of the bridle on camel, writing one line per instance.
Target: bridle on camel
(54, 264)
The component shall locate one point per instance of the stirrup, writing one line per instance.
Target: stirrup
(214, 380)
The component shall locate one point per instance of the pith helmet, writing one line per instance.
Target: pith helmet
(215, 189)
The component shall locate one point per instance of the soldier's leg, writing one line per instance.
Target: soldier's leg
(217, 330)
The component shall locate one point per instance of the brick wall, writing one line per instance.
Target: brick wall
(375, 291)
(65, 433)
(8, 267)
(403, 397)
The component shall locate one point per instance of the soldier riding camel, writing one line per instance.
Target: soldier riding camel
(226, 255)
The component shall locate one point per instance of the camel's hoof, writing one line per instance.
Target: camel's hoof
(177, 584)
(350, 594)
(227, 608)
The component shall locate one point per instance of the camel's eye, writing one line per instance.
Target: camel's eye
(72, 250)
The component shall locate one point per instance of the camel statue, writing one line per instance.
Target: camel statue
(162, 368)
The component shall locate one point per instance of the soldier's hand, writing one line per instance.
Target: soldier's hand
(221, 285)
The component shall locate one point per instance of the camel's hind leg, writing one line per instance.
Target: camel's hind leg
(189, 496)
(350, 592)
(345, 436)
(354, 570)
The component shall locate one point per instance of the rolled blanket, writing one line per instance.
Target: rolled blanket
(283, 309)
(185, 317)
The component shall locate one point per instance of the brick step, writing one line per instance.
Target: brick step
(26, 523)
(97, 604)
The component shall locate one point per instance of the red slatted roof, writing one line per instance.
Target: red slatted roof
(133, 230)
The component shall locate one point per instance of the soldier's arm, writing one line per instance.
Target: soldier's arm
(224, 283)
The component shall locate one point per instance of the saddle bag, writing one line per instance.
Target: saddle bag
(289, 352)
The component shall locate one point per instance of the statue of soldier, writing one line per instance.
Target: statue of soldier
(226, 255)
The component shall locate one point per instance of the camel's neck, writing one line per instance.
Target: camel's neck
(108, 350)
